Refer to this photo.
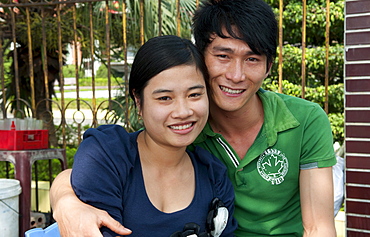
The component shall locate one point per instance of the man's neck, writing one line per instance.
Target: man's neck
(240, 128)
(231, 122)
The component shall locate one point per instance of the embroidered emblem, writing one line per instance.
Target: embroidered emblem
(272, 165)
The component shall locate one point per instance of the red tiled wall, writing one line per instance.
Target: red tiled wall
(357, 117)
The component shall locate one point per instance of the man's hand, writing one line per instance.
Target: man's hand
(76, 218)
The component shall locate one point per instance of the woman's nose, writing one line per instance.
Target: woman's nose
(182, 109)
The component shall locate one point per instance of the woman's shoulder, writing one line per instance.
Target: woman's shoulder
(112, 141)
(216, 170)
(110, 134)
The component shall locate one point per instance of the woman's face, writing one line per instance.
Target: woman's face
(175, 106)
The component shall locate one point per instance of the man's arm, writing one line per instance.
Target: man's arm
(316, 191)
(76, 218)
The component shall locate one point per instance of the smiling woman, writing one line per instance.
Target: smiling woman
(147, 180)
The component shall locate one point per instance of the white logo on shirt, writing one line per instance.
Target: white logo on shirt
(273, 166)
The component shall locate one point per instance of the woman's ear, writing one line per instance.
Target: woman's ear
(138, 103)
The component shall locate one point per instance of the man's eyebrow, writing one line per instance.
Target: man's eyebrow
(222, 49)
(230, 50)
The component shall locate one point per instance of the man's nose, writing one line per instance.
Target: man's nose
(236, 71)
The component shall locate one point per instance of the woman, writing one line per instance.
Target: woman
(147, 180)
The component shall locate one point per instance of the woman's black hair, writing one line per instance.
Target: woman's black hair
(159, 54)
(252, 21)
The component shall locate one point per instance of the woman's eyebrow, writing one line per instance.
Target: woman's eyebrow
(157, 91)
(161, 91)
(196, 87)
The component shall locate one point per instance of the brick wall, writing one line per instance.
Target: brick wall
(357, 117)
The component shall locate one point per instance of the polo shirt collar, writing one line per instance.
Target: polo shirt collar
(277, 118)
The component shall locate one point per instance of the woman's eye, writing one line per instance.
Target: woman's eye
(195, 95)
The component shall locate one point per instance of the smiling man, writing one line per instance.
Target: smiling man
(277, 148)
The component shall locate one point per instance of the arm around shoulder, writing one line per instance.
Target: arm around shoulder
(74, 217)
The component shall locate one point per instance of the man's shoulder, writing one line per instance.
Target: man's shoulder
(294, 104)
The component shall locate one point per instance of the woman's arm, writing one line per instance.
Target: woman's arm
(76, 218)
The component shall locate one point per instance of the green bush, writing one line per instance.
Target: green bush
(315, 65)
(70, 71)
(41, 167)
(102, 71)
(99, 81)
(337, 126)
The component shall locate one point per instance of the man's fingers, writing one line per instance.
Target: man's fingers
(114, 225)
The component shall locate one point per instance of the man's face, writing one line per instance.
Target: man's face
(235, 73)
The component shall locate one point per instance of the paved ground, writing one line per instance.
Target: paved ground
(340, 224)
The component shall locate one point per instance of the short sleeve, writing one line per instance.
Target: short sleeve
(317, 149)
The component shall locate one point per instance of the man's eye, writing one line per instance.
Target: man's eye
(252, 59)
(164, 98)
(222, 56)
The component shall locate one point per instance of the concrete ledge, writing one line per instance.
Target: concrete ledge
(340, 224)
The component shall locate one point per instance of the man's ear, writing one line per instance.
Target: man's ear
(269, 69)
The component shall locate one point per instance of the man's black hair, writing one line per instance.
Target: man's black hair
(252, 21)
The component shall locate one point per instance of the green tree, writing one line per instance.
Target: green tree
(43, 21)
(315, 56)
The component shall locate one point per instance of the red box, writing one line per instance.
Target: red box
(24, 139)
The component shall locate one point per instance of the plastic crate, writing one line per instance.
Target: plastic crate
(24, 139)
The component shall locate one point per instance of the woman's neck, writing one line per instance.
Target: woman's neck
(158, 155)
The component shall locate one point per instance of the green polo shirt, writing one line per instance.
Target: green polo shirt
(295, 135)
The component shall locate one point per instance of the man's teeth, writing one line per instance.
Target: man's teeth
(181, 127)
(228, 90)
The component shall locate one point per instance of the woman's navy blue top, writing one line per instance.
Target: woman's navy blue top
(107, 174)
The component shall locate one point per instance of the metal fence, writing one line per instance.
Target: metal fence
(38, 39)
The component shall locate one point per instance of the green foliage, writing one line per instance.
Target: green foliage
(315, 56)
(102, 71)
(46, 24)
(6, 170)
(71, 136)
(41, 167)
(314, 94)
(316, 21)
(70, 71)
(315, 65)
(337, 126)
(150, 18)
(132, 120)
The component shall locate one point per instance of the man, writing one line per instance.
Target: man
(277, 148)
